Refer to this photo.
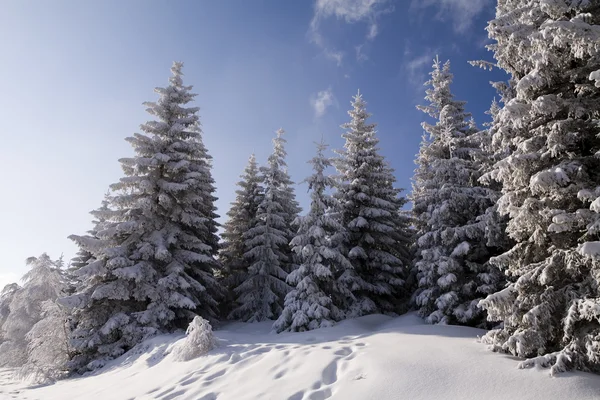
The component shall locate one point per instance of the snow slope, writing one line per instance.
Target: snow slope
(373, 357)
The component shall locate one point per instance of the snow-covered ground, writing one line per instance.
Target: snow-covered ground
(373, 357)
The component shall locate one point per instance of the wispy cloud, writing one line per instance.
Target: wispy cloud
(350, 11)
(460, 12)
(360, 53)
(416, 66)
(321, 101)
(334, 55)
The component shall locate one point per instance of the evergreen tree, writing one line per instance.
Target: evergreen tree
(550, 183)
(43, 283)
(309, 305)
(261, 295)
(84, 257)
(155, 256)
(283, 190)
(453, 273)
(242, 216)
(369, 207)
(497, 240)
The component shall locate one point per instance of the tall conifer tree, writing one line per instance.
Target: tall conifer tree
(453, 273)
(550, 182)
(155, 256)
(369, 207)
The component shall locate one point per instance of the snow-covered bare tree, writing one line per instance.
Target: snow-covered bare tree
(309, 305)
(268, 254)
(43, 284)
(369, 207)
(47, 345)
(155, 254)
(451, 252)
(6, 297)
(242, 216)
(550, 183)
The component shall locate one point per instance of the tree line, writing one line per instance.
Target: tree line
(503, 232)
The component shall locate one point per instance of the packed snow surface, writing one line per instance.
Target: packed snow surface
(374, 357)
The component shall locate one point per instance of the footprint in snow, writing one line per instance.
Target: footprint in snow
(320, 395)
(329, 375)
(280, 374)
(216, 375)
(296, 396)
(344, 351)
(174, 395)
(209, 396)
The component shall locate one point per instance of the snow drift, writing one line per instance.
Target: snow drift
(373, 357)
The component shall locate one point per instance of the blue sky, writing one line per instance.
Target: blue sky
(75, 74)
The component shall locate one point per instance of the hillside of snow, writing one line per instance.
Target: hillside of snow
(374, 357)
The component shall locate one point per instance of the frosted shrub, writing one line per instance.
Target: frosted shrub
(199, 340)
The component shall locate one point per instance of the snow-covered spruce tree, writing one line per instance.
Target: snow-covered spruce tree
(550, 183)
(497, 240)
(242, 216)
(43, 284)
(369, 208)
(310, 304)
(451, 252)
(155, 256)
(267, 242)
(283, 190)
(84, 257)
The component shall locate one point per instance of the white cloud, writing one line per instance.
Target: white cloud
(334, 55)
(417, 66)
(321, 101)
(360, 54)
(351, 11)
(461, 12)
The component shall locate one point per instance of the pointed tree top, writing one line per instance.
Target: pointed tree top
(176, 80)
(358, 101)
(321, 146)
(176, 68)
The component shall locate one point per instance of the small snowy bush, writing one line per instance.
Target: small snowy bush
(199, 340)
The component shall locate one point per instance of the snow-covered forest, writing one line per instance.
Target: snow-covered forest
(501, 230)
